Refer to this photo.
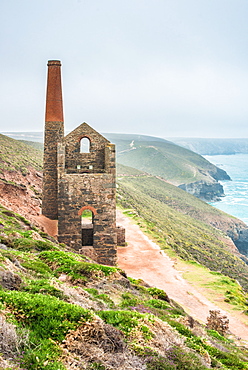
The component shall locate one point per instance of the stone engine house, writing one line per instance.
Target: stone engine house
(79, 180)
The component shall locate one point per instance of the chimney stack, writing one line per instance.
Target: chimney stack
(54, 132)
(54, 102)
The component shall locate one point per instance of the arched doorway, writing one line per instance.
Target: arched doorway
(87, 222)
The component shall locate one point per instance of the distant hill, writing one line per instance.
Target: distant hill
(213, 146)
(36, 136)
(177, 165)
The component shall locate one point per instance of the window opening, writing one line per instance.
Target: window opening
(87, 221)
(85, 145)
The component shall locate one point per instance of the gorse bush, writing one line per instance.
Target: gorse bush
(28, 244)
(49, 320)
(39, 267)
(48, 316)
(43, 286)
(125, 321)
(74, 265)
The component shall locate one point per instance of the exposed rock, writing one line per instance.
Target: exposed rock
(240, 239)
(219, 174)
(3, 246)
(10, 281)
(207, 191)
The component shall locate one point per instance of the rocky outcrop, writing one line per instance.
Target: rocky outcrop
(218, 174)
(207, 191)
(239, 235)
(236, 229)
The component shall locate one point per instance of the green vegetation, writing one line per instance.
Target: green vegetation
(48, 320)
(215, 285)
(189, 237)
(17, 156)
(58, 311)
(53, 319)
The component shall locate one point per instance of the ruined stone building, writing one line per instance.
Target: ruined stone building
(79, 177)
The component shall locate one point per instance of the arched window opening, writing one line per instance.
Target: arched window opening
(87, 221)
(87, 217)
(84, 145)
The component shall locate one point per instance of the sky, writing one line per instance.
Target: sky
(166, 68)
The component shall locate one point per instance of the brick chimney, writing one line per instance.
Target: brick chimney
(54, 102)
(54, 132)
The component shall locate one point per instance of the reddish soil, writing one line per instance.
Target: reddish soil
(143, 259)
(21, 194)
(49, 226)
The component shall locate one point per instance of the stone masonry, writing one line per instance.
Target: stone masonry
(54, 131)
(76, 180)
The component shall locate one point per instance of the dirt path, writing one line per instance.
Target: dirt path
(143, 259)
(50, 226)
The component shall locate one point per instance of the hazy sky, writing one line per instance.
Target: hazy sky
(159, 67)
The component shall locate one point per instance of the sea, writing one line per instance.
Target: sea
(235, 201)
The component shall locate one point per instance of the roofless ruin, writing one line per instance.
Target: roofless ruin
(79, 177)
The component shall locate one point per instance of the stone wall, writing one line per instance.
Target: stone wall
(53, 133)
(121, 236)
(78, 162)
(93, 191)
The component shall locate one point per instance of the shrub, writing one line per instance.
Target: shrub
(39, 267)
(73, 265)
(156, 303)
(12, 338)
(158, 293)
(47, 316)
(218, 322)
(42, 286)
(129, 299)
(28, 244)
(126, 321)
(182, 329)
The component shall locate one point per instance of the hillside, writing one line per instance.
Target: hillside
(178, 221)
(59, 310)
(176, 165)
(20, 177)
(17, 156)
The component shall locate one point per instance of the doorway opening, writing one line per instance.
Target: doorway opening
(87, 222)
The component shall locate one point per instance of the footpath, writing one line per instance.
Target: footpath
(143, 259)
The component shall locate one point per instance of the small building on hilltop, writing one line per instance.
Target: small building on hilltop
(79, 180)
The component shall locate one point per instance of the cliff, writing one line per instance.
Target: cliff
(204, 190)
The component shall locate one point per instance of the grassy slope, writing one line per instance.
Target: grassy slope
(17, 156)
(163, 158)
(159, 202)
(162, 207)
(93, 318)
(55, 299)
